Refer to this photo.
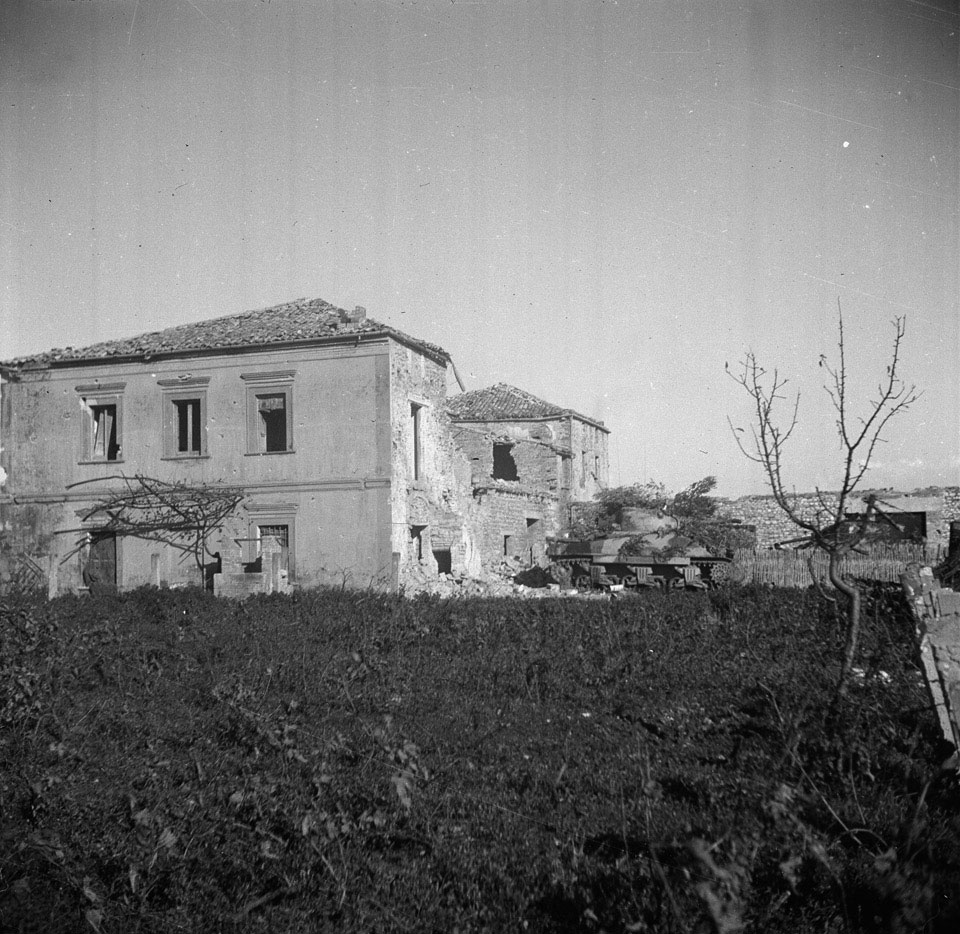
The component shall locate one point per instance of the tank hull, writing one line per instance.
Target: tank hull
(658, 559)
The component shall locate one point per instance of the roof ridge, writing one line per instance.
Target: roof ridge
(506, 402)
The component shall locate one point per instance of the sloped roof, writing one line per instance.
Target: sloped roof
(504, 402)
(300, 321)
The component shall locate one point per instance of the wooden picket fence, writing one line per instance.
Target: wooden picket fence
(789, 568)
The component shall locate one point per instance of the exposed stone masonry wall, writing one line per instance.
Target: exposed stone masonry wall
(768, 518)
(439, 498)
(941, 506)
(512, 523)
(537, 463)
(511, 518)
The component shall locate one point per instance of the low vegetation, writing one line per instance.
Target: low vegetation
(361, 762)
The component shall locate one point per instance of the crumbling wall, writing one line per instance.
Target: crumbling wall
(237, 580)
(430, 476)
(538, 465)
(590, 462)
(29, 542)
(937, 613)
(537, 462)
(27, 530)
(513, 524)
(513, 518)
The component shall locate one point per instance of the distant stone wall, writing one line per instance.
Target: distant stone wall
(941, 505)
(769, 519)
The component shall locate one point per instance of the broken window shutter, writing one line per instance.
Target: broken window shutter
(104, 431)
(98, 442)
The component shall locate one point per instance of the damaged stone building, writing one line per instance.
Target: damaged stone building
(529, 460)
(355, 465)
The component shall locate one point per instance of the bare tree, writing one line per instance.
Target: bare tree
(177, 514)
(828, 527)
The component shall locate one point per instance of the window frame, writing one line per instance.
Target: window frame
(191, 389)
(99, 396)
(92, 533)
(416, 440)
(259, 515)
(268, 384)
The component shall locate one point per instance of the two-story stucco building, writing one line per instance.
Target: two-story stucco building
(335, 428)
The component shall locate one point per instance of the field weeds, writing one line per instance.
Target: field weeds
(360, 762)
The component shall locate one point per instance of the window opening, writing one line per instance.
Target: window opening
(184, 415)
(417, 453)
(566, 471)
(280, 534)
(507, 546)
(105, 444)
(504, 466)
(189, 427)
(272, 413)
(444, 560)
(100, 569)
(101, 422)
(583, 468)
(269, 412)
(416, 536)
(533, 530)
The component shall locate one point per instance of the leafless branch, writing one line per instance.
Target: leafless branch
(177, 514)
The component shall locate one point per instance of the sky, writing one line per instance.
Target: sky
(606, 204)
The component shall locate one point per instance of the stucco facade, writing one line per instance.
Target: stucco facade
(305, 429)
(337, 430)
(331, 488)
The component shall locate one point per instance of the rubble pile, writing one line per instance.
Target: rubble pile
(510, 579)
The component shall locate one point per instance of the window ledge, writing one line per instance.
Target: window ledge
(185, 457)
(267, 453)
(100, 462)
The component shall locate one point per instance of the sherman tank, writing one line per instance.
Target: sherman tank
(647, 551)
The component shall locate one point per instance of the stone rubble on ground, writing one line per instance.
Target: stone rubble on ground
(501, 582)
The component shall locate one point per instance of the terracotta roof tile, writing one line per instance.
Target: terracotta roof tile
(503, 402)
(303, 320)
